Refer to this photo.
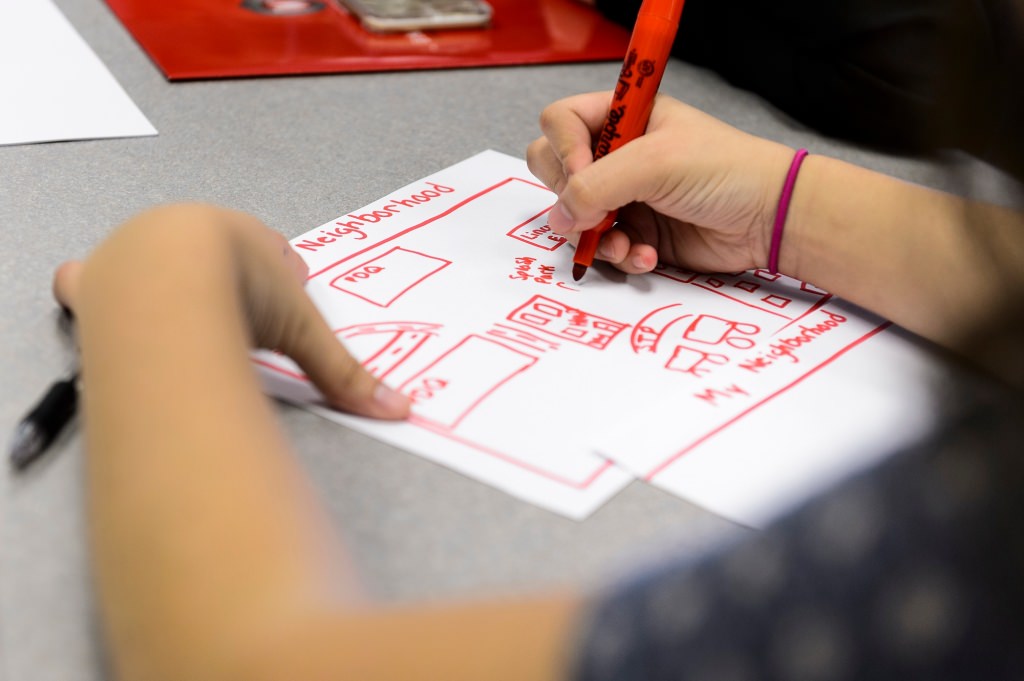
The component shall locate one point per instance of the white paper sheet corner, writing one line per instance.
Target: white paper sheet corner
(53, 85)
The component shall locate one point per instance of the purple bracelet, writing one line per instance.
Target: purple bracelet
(780, 213)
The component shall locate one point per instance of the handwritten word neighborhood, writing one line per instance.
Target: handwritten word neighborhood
(354, 228)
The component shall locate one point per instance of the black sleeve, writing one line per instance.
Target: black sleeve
(870, 71)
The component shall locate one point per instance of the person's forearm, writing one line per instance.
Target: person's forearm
(212, 556)
(934, 263)
(201, 525)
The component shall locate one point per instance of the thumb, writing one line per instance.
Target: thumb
(339, 376)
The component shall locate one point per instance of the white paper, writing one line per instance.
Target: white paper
(455, 291)
(751, 456)
(419, 286)
(53, 86)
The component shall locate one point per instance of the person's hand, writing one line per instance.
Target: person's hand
(267, 277)
(693, 191)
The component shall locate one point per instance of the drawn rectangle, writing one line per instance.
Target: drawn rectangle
(538, 233)
(447, 390)
(566, 322)
(384, 279)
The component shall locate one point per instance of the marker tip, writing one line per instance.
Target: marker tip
(578, 271)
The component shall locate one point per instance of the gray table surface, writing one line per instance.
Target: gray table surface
(297, 152)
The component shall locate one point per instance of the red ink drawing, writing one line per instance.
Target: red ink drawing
(648, 332)
(675, 273)
(797, 335)
(582, 483)
(567, 323)
(717, 330)
(458, 382)
(537, 232)
(424, 223)
(767, 275)
(666, 463)
(384, 279)
(748, 286)
(341, 230)
(777, 301)
(528, 269)
(654, 329)
(666, 329)
(509, 334)
(692, 361)
(714, 395)
(387, 345)
(448, 390)
(748, 289)
(522, 269)
(811, 288)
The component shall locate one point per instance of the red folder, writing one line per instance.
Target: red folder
(195, 39)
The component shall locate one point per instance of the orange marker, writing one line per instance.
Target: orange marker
(649, 49)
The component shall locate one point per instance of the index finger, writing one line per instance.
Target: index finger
(570, 125)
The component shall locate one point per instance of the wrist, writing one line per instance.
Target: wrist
(770, 178)
(782, 209)
(823, 238)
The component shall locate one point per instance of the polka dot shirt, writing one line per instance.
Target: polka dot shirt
(914, 570)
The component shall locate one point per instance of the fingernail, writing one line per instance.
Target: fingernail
(560, 219)
(391, 401)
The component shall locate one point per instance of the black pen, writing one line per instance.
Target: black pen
(40, 426)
